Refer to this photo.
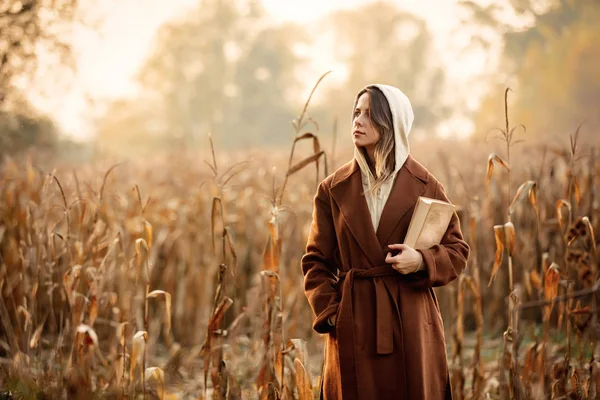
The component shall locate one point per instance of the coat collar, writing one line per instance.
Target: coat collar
(347, 191)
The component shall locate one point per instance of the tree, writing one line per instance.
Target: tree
(24, 128)
(380, 43)
(551, 66)
(223, 70)
(266, 87)
(25, 27)
(29, 28)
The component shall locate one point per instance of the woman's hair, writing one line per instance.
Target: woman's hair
(384, 152)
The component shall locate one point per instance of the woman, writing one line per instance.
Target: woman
(385, 336)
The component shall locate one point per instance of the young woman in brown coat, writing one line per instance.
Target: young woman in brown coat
(371, 294)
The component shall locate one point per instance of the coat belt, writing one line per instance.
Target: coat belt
(345, 322)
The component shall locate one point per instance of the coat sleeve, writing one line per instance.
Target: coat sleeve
(443, 263)
(318, 265)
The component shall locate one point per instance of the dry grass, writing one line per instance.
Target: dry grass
(171, 278)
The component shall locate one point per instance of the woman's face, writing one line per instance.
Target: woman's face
(364, 132)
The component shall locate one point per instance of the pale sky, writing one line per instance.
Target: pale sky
(108, 60)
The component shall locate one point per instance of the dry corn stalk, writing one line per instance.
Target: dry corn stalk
(212, 349)
(457, 367)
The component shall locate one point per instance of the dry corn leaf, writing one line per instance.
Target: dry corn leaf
(591, 234)
(559, 206)
(540, 360)
(529, 363)
(270, 274)
(306, 135)
(316, 146)
(70, 279)
(231, 247)
(213, 328)
(581, 311)
(303, 382)
(545, 263)
(158, 375)
(35, 285)
(313, 158)
(300, 349)
(536, 282)
(167, 296)
(217, 317)
(278, 363)
(22, 310)
(528, 188)
(493, 158)
(93, 310)
(141, 252)
(509, 232)
(533, 201)
(500, 242)
(148, 233)
(551, 287)
(35, 338)
(121, 332)
(139, 345)
(315, 140)
(271, 255)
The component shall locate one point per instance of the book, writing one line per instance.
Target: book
(428, 223)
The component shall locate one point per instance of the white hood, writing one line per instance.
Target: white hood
(402, 117)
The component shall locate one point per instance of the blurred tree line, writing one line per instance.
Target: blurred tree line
(223, 68)
(552, 66)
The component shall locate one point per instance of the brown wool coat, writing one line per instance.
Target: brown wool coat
(388, 342)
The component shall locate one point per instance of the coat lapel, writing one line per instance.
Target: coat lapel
(348, 195)
(409, 185)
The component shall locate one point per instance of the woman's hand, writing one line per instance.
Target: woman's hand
(407, 261)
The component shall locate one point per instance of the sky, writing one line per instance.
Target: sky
(108, 58)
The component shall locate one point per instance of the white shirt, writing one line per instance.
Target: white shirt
(377, 201)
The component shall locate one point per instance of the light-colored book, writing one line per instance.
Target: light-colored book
(429, 223)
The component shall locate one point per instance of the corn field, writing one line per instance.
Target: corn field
(179, 276)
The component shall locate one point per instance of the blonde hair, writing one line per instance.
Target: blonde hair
(384, 151)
